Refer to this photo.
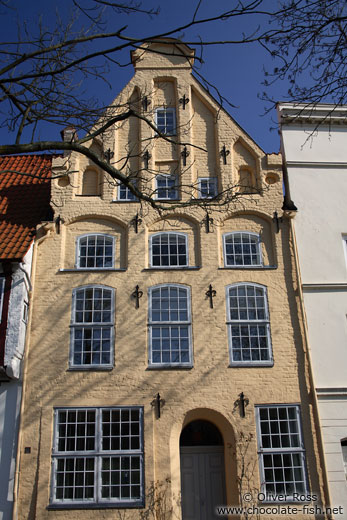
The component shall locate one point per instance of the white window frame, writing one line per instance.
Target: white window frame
(166, 110)
(97, 454)
(168, 233)
(96, 235)
(129, 196)
(91, 325)
(174, 188)
(2, 292)
(213, 182)
(296, 450)
(255, 323)
(152, 324)
(256, 236)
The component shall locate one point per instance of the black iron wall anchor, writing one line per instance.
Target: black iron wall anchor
(224, 153)
(208, 221)
(211, 293)
(146, 157)
(58, 222)
(243, 402)
(277, 220)
(145, 103)
(109, 155)
(185, 153)
(158, 403)
(137, 294)
(184, 101)
(136, 221)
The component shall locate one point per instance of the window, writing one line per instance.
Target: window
(169, 326)
(169, 250)
(165, 120)
(281, 450)
(98, 456)
(92, 327)
(344, 454)
(95, 252)
(207, 187)
(125, 194)
(248, 322)
(166, 187)
(242, 249)
(2, 289)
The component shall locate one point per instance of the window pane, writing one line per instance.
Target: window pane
(242, 249)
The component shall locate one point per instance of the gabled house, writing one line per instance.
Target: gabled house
(24, 203)
(167, 373)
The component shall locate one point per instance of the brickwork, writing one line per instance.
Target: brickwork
(211, 388)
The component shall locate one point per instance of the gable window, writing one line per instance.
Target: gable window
(98, 456)
(242, 249)
(92, 327)
(169, 250)
(2, 288)
(207, 187)
(281, 451)
(95, 252)
(169, 326)
(249, 326)
(125, 194)
(165, 120)
(166, 187)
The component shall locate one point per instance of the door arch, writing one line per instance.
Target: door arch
(202, 470)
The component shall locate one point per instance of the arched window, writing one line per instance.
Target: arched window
(248, 324)
(242, 249)
(91, 182)
(170, 342)
(92, 327)
(95, 251)
(169, 250)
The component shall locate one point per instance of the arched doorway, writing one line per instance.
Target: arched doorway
(202, 470)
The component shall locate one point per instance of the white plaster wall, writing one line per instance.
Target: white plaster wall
(10, 397)
(333, 415)
(326, 312)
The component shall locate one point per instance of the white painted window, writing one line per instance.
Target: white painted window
(25, 311)
(170, 342)
(98, 456)
(242, 249)
(92, 327)
(95, 251)
(248, 324)
(169, 250)
(207, 187)
(281, 451)
(166, 187)
(125, 194)
(2, 289)
(165, 120)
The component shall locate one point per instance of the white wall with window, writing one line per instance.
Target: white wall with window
(248, 324)
(281, 451)
(92, 327)
(169, 323)
(97, 457)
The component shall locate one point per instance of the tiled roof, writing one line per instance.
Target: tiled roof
(24, 201)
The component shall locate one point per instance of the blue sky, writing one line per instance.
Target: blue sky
(236, 70)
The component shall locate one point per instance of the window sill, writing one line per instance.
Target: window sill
(93, 368)
(170, 367)
(124, 200)
(257, 267)
(167, 268)
(248, 364)
(89, 269)
(88, 505)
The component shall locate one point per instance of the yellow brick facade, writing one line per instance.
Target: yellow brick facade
(210, 389)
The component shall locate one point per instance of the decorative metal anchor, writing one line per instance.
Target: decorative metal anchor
(277, 221)
(211, 293)
(146, 157)
(207, 221)
(158, 402)
(145, 103)
(184, 101)
(136, 221)
(108, 155)
(224, 153)
(137, 294)
(185, 153)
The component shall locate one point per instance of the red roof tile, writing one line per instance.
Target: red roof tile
(24, 201)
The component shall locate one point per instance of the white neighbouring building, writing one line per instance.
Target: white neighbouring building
(314, 148)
